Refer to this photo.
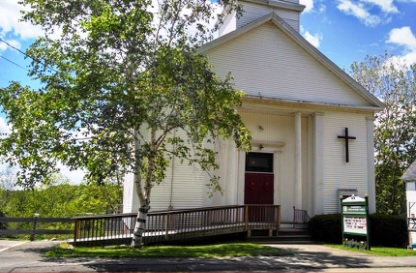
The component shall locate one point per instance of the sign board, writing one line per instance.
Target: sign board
(355, 225)
(354, 215)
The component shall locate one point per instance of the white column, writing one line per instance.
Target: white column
(298, 160)
(370, 165)
(318, 169)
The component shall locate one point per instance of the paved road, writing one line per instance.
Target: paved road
(4, 245)
(27, 257)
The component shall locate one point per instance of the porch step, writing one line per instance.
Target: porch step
(292, 231)
(285, 236)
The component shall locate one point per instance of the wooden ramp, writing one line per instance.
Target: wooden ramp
(164, 226)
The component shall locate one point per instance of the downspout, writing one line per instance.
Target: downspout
(172, 178)
(171, 184)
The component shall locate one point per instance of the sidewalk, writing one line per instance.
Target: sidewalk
(27, 257)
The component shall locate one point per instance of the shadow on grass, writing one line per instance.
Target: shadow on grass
(298, 260)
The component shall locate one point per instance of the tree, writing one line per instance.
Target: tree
(118, 80)
(395, 131)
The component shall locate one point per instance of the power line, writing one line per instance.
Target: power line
(12, 46)
(16, 64)
(27, 55)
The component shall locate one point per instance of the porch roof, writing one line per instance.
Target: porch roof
(410, 174)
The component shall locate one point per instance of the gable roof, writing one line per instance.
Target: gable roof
(279, 4)
(410, 173)
(303, 43)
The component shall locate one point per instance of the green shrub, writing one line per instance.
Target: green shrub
(385, 230)
(326, 228)
(388, 230)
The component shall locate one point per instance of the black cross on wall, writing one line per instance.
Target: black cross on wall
(347, 138)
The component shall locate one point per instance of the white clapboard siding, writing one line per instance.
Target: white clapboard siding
(129, 195)
(254, 11)
(266, 62)
(269, 127)
(411, 198)
(186, 189)
(338, 174)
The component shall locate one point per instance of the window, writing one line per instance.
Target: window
(259, 162)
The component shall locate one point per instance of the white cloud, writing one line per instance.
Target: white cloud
(322, 8)
(308, 5)
(75, 176)
(385, 5)
(4, 46)
(9, 21)
(360, 11)
(314, 39)
(403, 61)
(403, 38)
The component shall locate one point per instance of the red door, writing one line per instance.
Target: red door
(258, 188)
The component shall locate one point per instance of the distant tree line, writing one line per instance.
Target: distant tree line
(60, 199)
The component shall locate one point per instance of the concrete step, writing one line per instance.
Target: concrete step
(285, 236)
(292, 232)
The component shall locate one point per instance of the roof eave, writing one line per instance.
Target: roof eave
(312, 103)
(279, 4)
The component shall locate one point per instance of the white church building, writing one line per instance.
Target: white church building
(311, 123)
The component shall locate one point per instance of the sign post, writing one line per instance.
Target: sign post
(355, 221)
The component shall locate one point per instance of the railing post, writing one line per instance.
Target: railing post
(246, 210)
(77, 230)
(278, 217)
(294, 217)
(35, 223)
(167, 226)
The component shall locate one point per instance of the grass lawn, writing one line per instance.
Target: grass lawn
(380, 251)
(201, 251)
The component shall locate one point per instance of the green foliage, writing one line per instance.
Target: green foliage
(118, 82)
(62, 200)
(385, 230)
(326, 228)
(388, 230)
(395, 130)
(58, 200)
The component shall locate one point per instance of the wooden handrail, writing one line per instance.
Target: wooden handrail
(177, 224)
(300, 218)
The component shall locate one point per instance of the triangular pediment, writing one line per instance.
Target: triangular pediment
(410, 174)
(268, 59)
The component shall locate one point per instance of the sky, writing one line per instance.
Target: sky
(343, 30)
(346, 31)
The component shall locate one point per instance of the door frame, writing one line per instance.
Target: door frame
(275, 148)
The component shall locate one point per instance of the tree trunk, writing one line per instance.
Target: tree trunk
(139, 227)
